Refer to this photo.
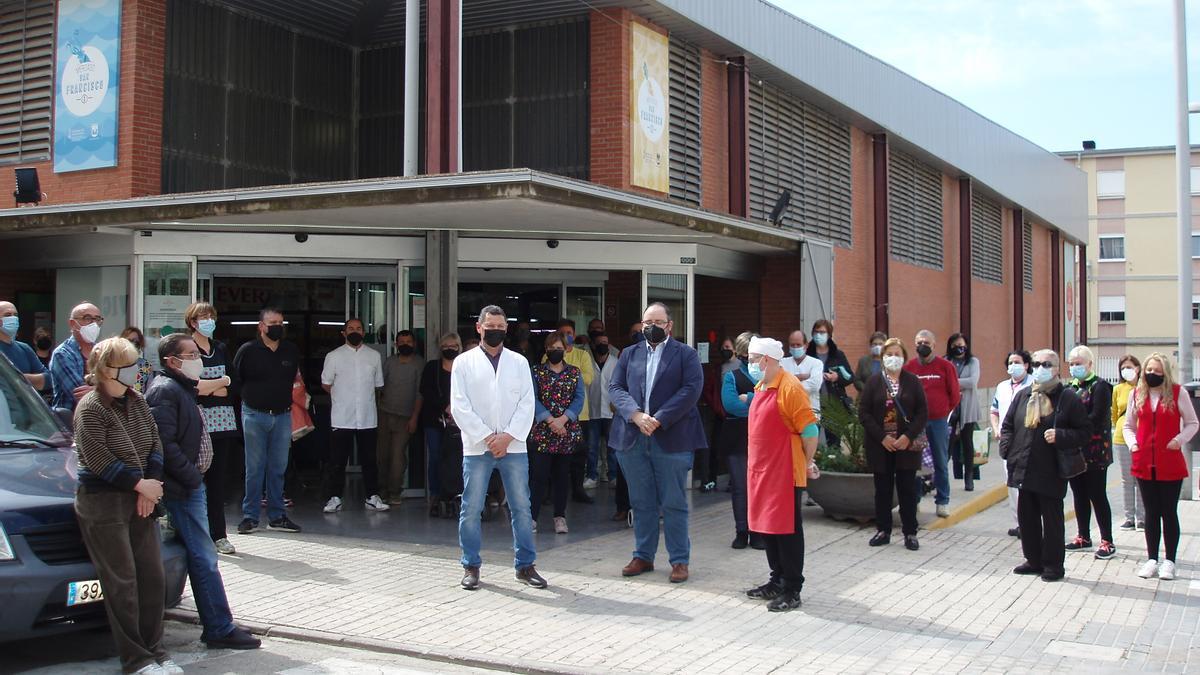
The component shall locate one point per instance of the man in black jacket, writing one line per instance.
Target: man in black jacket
(1040, 439)
(187, 453)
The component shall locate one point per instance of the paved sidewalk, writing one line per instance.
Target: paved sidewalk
(952, 606)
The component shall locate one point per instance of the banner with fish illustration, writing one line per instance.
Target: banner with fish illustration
(87, 78)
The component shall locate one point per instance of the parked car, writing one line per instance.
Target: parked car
(47, 581)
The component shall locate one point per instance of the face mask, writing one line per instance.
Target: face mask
(726, 354)
(355, 339)
(274, 333)
(128, 376)
(821, 339)
(44, 343)
(600, 350)
(1127, 374)
(191, 368)
(10, 325)
(893, 363)
(206, 327)
(570, 340)
(876, 350)
(494, 337)
(405, 350)
(797, 352)
(1154, 380)
(1042, 374)
(924, 351)
(756, 372)
(1078, 372)
(958, 351)
(449, 354)
(654, 334)
(593, 334)
(555, 356)
(1016, 370)
(90, 333)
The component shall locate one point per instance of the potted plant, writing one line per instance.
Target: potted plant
(846, 487)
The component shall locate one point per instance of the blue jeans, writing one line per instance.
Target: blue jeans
(268, 438)
(938, 432)
(190, 518)
(477, 472)
(433, 461)
(657, 483)
(596, 432)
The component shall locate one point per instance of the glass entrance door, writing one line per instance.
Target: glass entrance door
(167, 286)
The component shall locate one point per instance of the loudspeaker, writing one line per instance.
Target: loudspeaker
(29, 189)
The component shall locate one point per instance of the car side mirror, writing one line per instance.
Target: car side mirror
(66, 418)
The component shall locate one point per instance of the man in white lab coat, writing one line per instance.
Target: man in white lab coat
(492, 402)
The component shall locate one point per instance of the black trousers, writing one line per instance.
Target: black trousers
(341, 442)
(1090, 489)
(1042, 530)
(215, 480)
(737, 491)
(1161, 498)
(785, 552)
(555, 471)
(904, 481)
(577, 470)
(962, 452)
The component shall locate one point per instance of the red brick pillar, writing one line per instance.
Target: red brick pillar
(739, 132)
(608, 100)
(714, 129)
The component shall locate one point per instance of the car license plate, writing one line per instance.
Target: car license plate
(82, 592)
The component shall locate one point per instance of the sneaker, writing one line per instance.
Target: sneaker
(376, 504)
(943, 510)
(1128, 524)
(149, 669)
(1149, 569)
(333, 505)
(589, 484)
(237, 639)
(247, 526)
(1014, 532)
(710, 486)
(1141, 525)
(786, 602)
(535, 527)
(1166, 570)
(169, 667)
(283, 524)
(1078, 543)
(1106, 550)
(768, 591)
(224, 546)
(560, 525)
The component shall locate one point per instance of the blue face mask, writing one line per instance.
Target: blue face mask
(207, 327)
(821, 338)
(1041, 374)
(570, 339)
(798, 352)
(756, 372)
(1016, 370)
(10, 325)
(1078, 372)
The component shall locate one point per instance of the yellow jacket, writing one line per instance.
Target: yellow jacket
(581, 359)
(797, 414)
(1120, 399)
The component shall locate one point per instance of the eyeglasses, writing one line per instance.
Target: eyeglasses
(660, 324)
(89, 319)
(187, 357)
(1040, 364)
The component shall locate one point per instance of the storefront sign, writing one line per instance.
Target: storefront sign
(88, 66)
(650, 123)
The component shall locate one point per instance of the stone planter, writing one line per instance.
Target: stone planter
(846, 495)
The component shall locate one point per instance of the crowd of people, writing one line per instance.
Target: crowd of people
(510, 424)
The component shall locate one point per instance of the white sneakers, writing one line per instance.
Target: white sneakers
(374, 503)
(333, 505)
(589, 484)
(1152, 568)
(224, 546)
(167, 667)
(1166, 570)
(560, 526)
(943, 510)
(1148, 569)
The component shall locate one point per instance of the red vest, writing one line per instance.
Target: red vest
(1153, 461)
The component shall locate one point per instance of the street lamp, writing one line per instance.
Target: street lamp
(1183, 170)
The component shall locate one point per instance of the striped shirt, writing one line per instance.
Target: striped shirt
(117, 441)
(66, 372)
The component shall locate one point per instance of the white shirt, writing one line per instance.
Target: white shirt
(486, 400)
(653, 356)
(353, 375)
(1006, 391)
(816, 378)
(597, 393)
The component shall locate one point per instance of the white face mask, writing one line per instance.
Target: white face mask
(1016, 370)
(90, 333)
(1042, 374)
(1129, 375)
(893, 363)
(876, 350)
(128, 376)
(192, 368)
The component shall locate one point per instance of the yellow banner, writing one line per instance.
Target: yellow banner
(648, 107)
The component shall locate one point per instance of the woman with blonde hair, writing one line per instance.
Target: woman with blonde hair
(1159, 422)
(120, 487)
(1090, 488)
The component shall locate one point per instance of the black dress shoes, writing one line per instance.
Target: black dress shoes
(1027, 568)
(911, 543)
(881, 538)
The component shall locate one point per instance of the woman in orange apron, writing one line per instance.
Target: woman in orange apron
(781, 447)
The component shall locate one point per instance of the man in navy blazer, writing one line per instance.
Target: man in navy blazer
(655, 431)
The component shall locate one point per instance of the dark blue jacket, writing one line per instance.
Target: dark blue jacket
(677, 387)
(172, 400)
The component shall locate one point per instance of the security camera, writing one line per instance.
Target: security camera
(551, 243)
(301, 238)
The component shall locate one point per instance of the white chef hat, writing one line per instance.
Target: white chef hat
(767, 347)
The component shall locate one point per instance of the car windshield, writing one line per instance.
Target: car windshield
(25, 420)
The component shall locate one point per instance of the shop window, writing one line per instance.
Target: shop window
(1112, 308)
(26, 73)
(1112, 248)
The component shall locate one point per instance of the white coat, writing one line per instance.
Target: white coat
(486, 401)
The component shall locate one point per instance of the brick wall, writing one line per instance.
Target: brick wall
(993, 314)
(139, 110)
(779, 296)
(854, 268)
(1039, 322)
(714, 130)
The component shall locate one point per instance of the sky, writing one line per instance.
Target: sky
(1054, 71)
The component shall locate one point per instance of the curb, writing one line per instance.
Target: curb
(982, 501)
(375, 645)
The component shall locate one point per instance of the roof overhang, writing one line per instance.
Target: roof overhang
(520, 204)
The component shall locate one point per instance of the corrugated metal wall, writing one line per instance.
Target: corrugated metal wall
(685, 121)
(914, 211)
(987, 247)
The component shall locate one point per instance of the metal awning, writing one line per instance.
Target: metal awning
(518, 204)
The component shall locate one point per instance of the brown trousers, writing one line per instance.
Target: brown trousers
(392, 453)
(125, 549)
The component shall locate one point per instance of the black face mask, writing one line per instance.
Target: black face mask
(405, 350)
(44, 343)
(924, 351)
(355, 339)
(593, 334)
(654, 334)
(274, 333)
(727, 354)
(555, 356)
(958, 351)
(1154, 379)
(449, 354)
(600, 350)
(494, 337)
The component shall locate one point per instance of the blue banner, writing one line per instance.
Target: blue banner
(87, 75)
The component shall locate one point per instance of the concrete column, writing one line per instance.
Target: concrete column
(441, 284)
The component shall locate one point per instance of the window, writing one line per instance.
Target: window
(1110, 184)
(1196, 308)
(1112, 308)
(26, 70)
(987, 250)
(1195, 180)
(914, 211)
(1196, 245)
(1113, 248)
